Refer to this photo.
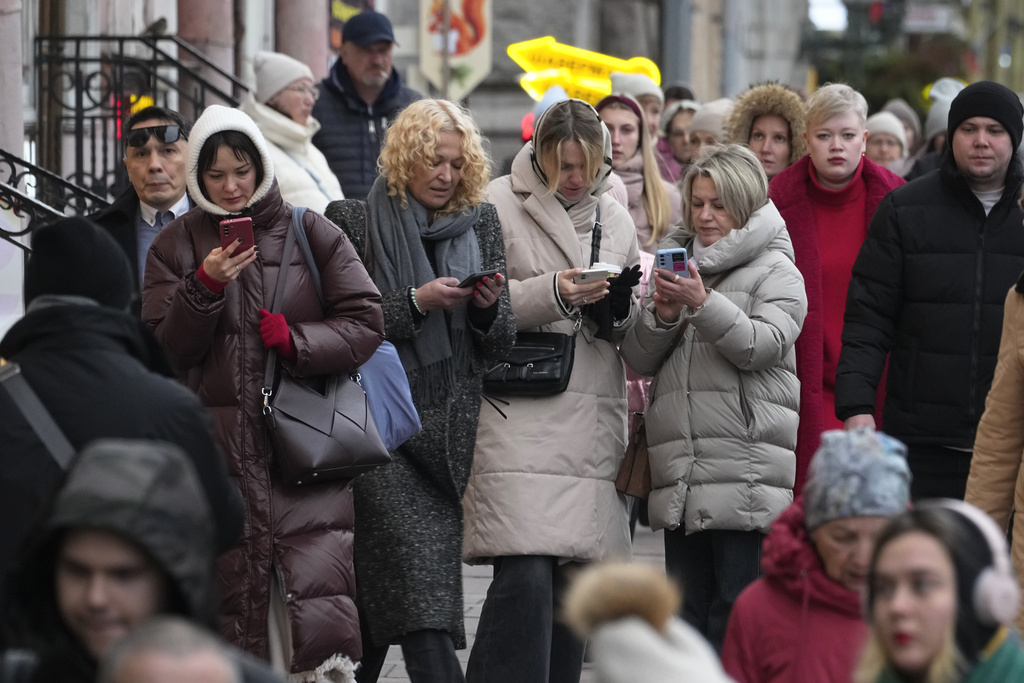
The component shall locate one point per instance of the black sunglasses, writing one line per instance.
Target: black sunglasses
(138, 137)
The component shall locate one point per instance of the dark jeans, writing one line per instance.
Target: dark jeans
(937, 472)
(429, 658)
(518, 638)
(712, 567)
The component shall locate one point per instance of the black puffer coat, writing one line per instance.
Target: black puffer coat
(351, 132)
(96, 371)
(928, 287)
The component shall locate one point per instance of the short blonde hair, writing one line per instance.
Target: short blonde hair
(739, 179)
(835, 99)
(412, 140)
(568, 121)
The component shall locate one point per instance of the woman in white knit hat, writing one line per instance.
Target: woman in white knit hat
(281, 106)
(288, 588)
(887, 142)
(708, 126)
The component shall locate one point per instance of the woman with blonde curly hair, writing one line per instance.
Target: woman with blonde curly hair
(654, 204)
(423, 230)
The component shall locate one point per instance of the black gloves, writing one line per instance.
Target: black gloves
(620, 292)
(614, 306)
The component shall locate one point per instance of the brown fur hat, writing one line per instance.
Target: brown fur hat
(770, 98)
(609, 592)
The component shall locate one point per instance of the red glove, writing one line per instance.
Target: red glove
(276, 335)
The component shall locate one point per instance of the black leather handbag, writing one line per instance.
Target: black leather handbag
(320, 427)
(539, 364)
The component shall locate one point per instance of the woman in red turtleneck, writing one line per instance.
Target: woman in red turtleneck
(827, 199)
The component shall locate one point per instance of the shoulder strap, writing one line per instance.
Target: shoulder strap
(36, 414)
(282, 279)
(595, 238)
(303, 241)
(18, 665)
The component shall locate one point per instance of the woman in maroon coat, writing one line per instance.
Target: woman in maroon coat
(827, 199)
(289, 586)
(801, 622)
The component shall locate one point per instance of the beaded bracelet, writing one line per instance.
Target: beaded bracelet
(412, 297)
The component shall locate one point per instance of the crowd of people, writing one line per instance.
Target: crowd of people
(844, 272)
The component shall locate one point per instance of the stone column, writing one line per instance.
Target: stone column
(209, 26)
(301, 31)
(12, 126)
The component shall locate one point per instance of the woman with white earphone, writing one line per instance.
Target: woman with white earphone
(942, 596)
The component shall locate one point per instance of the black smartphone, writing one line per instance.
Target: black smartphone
(477, 277)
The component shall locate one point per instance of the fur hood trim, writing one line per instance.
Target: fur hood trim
(336, 669)
(774, 99)
(609, 592)
(214, 119)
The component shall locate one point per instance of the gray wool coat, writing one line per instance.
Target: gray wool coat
(409, 523)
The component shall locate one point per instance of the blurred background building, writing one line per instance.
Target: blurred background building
(75, 69)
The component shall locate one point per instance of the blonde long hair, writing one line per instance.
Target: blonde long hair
(657, 204)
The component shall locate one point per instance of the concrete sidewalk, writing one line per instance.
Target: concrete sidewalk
(648, 547)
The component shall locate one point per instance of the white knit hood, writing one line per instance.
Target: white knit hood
(217, 118)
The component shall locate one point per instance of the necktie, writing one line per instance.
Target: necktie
(162, 219)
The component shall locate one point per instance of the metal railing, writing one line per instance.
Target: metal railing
(38, 196)
(88, 85)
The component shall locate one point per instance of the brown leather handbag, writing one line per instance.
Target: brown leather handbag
(320, 428)
(634, 478)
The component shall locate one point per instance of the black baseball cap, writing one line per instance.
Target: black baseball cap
(367, 28)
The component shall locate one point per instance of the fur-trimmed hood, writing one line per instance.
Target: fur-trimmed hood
(215, 119)
(773, 99)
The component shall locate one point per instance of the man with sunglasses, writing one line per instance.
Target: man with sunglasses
(154, 139)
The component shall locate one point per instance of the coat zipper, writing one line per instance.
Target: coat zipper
(976, 324)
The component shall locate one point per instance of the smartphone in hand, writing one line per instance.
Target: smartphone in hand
(233, 228)
(476, 277)
(673, 260)
(592, 275)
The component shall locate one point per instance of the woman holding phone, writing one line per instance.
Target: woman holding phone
(722, 420)
(541, 498)
(289, 587)
(435, 250)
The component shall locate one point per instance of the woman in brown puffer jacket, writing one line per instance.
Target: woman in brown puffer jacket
(289, 586)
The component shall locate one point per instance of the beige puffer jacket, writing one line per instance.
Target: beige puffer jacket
(722, 423)
(543, 481)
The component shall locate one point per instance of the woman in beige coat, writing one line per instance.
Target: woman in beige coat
(721, 425)
(541, 494)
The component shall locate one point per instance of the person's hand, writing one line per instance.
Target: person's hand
(275, 333)
(442, 294)
(858, 421)
(672, 291)
(487, 291)
(574, 294)
(223, 265)
(620, 292)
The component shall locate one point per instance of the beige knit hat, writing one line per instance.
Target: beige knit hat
(274, 71)
(635, 85)
(712, 118)
(887, 122)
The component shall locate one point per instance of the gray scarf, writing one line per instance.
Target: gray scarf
(400, 238)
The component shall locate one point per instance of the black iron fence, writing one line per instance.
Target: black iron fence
(89, 85)
(38, 196)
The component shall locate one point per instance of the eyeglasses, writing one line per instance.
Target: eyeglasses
(313, 91)
(138, 137)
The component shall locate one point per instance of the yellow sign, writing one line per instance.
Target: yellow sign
(583, 74)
